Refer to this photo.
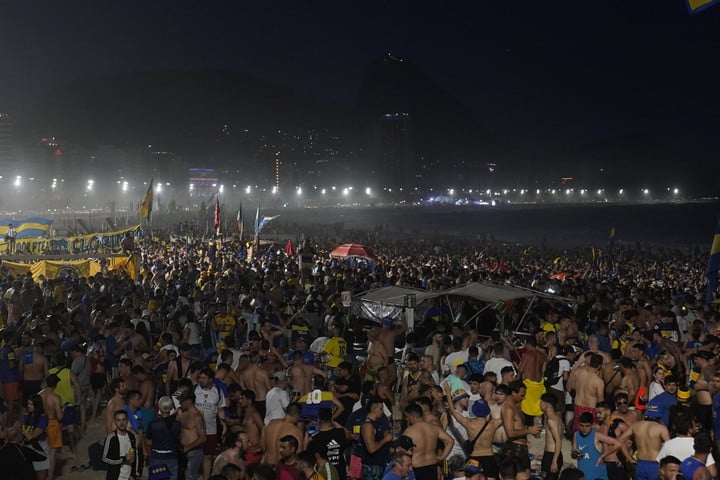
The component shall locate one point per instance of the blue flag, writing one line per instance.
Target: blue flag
(713, 266)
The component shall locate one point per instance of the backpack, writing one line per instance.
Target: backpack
(95, 452)
(552, 371)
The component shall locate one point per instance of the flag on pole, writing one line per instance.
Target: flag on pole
(265, 220)
(239, 224)
(257, 220)
(713, 266)
(147, 201)
(217, 215)
(613, 240)
(697, 6)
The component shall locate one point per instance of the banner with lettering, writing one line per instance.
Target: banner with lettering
(91, 243)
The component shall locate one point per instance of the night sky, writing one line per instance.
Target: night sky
(545, 73)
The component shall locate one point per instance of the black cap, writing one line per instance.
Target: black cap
(404, 442)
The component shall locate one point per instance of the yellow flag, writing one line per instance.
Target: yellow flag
(146, 205)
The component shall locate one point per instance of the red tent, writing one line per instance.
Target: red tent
(352, 250)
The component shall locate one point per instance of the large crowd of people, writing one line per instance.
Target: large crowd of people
(223, 363)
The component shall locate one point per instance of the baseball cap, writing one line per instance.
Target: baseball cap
(405, 442)
(683, 394)
(280, 376)
(481, 409)
(387, 321)
(472, 467)
(459, 394)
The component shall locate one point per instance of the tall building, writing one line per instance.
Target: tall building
(6, 145)
(399, 165)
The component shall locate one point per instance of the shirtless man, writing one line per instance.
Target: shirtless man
(377, 355)
(552, 459)
(622, 410)
(258, 380)
(612, 427)
(594, 347)
(531, 368)
(147, 394)
(425, 437)
(252, 421)
(178, 369)
(278, 428)
(53, 409)
(649, 437)
(302, 371)
(192, 434)
(481, 429)
(33, 366)
(387, 335)
(232, 455)
(630, 379)
(117, 402)
(428, 412)
(588, 391)
(636, 352)
(514, 425)
(125, 372)
(499, 396)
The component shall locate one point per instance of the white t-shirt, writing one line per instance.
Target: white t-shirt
(209, 402)
(193, 333)
(563, 366)
(495, 365)
(682, 448)
(125, 470)
(655, 390)
(275, 402)
(454, 359)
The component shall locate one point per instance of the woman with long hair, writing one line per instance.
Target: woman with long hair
(34, 424)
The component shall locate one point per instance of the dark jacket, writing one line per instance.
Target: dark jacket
(111, 456)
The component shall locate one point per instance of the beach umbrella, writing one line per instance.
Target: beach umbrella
(352, 250)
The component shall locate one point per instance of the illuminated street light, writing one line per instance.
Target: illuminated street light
(90, 184)
(274, 189)
(621, 191)
(676, 191)
(451, 191)
(18, 181)
(346, 191)
(158, 189)
(248, 189)
(368, 191)
(646, 191)
(125, 186)
(322, 191)
(192, 187)
(222, 189)
(299, 191)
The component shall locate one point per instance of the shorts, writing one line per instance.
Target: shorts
(70, 415)
(54, 434)
(355, 470)
(375, 472)
(43, 464)
(261, 407)
(580, 410)
(518, 452)
(489, 465)
(428, 472)
(547, 463)
(30, 388)
(98, 381)
(11, 391)
(647, 470)
(211, 445)
(84, 394)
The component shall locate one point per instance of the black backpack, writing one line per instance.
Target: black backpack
(95, 452)
(552, 371)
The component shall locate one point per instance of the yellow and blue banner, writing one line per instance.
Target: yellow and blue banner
(697, 6)
(147, 201)
(713, 266)
(51, 269)
(34, 227)
(94, 242)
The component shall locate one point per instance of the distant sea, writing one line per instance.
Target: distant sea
(668, 224)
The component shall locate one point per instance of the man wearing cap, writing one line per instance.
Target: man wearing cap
(659, 407)
(277, 398)
(162, 438)
(480, 432)
(459, 400)
(302, 371)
